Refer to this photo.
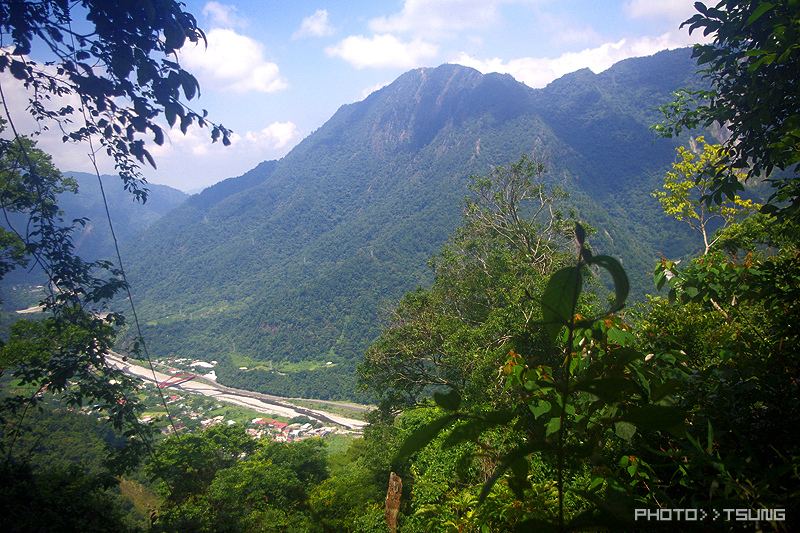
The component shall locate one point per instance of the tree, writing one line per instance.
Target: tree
(455, 333)
(18, 197)
(68, 344)
(220, 479)
(119, 63)
(689, 182)
(750, 389)
(751, 66)
(110, 74)
(732, 323)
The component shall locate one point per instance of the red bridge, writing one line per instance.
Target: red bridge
(176, 380)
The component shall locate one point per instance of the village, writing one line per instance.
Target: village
(194, 412)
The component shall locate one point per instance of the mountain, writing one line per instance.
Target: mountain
(129, 217)
(281, 274)
(94, 241)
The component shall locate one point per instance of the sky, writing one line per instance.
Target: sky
(273, 72)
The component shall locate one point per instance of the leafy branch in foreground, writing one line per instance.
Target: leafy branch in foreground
(578, 415)
(63, 351)
(111, 73)
(115, 72)
(751, 66)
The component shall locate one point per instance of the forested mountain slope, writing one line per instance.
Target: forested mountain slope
(287, 267)
(93, 240)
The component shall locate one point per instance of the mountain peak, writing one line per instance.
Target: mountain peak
(411, 111)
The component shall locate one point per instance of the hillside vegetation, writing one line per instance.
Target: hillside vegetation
(523, 384)
(293, 265)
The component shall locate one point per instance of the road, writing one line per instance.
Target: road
(262, 403)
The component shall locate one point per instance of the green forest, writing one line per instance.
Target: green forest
(300, 260)
(523, 386)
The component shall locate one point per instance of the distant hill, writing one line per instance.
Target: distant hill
(94, 240)
(285, 269)
(128, 216)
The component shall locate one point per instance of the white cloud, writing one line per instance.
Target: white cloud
(436, 17)
(674, 9)
(232, 62)
(223, 15)
(538, 72)
(276, 135)
(315, 25)
(382, 51)
(190, 161)
(196, 142)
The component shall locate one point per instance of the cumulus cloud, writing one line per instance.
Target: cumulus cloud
(538, 72)
(674, 9)
(382, 51)
(190, 161)
(276, 135)
(232, 62)
(223, 15)
(434, 17)
(315, 25)
(276, 138)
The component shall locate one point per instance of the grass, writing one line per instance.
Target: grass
(240, 360)
(339, 443)
(356, 414)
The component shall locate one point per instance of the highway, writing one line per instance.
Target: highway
(261, 403)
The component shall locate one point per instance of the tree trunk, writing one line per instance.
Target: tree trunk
(392, 507)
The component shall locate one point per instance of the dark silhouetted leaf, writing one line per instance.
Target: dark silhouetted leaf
(423, 436)
(621, 284)
(450, 401)
(559, 298)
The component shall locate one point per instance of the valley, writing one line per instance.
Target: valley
(295, 263)
(261, 403)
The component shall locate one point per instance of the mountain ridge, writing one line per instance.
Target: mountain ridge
(291, 263)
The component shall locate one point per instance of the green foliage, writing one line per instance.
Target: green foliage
(222, 480)
(751, 65)
(120, 69)
(454, 334)
(690, 182)
(745, 386)
(63, 352)
(57, 499)
(573, 399)
(21, 188)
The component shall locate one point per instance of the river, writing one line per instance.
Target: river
(261, 403)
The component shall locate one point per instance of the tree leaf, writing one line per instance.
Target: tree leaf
(621, 284)
(763, 8)
(559, 299)
(624, 430)
(450, 401)
(580, 234)
(608, 389)
(540, 407)
(421, 437)
(655, 417)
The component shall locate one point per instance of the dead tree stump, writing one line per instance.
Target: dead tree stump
(392, 508)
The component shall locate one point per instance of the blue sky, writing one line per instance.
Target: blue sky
(273, 72)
